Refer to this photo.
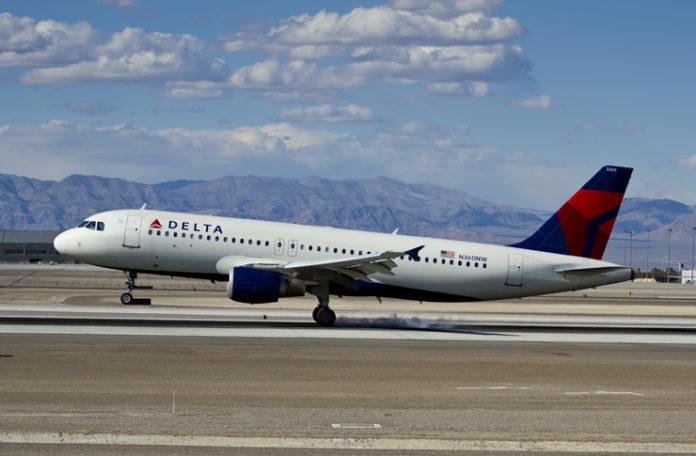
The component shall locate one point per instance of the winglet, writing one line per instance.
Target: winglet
(581, 227)
(413, 253)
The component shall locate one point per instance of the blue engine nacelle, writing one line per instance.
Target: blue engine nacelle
(256, 286)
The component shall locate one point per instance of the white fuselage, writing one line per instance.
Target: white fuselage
(206, 246)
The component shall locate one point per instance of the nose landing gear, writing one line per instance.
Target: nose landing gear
(127, 297)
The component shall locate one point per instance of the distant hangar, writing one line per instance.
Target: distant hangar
(29, 247)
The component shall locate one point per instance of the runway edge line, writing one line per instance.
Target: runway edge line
(338, 443)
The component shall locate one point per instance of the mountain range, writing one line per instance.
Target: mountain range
(379, 204)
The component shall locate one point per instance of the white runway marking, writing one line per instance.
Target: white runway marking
(614, 393)
(356, 426)
(413, 444)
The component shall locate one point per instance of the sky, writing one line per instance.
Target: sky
(514, 102)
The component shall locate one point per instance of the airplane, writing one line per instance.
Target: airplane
(263, 261)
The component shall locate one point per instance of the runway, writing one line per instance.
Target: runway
(255, 323)
(81, 374)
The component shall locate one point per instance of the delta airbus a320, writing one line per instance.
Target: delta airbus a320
(263, 261)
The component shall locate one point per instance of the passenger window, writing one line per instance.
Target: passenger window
(267, 243)
(352, 252)
(200, 237)
(426, 259)
(159, 233)
(207, 237)
(241, 240)
(149, 231)
(250, 241)
(166, 233)
(224, 239)
(310, 248)
(344, 251)
(233, 240)
(280, 244)
(258, 242)
(335, 250)
(175, 234)
(100, 226)
(443, 261)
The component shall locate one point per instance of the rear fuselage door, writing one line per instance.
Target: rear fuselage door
(515, 269)
(131, 238)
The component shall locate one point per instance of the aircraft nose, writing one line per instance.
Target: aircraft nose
(66, 243)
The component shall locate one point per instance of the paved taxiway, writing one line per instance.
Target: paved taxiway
(81, 374)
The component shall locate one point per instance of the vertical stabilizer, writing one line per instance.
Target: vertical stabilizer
(582, 226)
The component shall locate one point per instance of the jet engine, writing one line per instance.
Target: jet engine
(256, 286)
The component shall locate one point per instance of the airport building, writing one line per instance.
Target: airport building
(29, 247)
(688, 276)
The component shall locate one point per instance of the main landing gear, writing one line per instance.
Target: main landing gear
(127, 297)
(322, 314)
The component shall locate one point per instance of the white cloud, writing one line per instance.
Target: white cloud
(454, 47)
(542, 101)
(444, 8)
(412, 151)
(328, 113)
(120, 3)
(88, 107)
(26, 42)
(130, 55)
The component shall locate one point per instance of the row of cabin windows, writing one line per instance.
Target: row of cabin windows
(311, 248)
(207, 237)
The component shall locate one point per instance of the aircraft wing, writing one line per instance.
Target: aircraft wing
(313, 272)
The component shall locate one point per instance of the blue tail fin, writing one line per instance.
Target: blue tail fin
(582, 226)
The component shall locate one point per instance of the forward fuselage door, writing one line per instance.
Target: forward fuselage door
(292, 248)
(279, 246)
(515, 269)
(131, 238)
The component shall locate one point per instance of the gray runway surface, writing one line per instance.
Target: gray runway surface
(242, 392)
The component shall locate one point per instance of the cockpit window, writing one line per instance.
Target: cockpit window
(83, 224)
(91, 225)
(100, 226)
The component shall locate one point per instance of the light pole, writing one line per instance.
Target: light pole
(647, 257)
(625, 246)
(669, 252)
(693, 233)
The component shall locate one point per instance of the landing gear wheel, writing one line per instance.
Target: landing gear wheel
(126, 298)
(315, 312)
(325, 316)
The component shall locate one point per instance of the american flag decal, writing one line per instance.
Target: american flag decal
(446, 254)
